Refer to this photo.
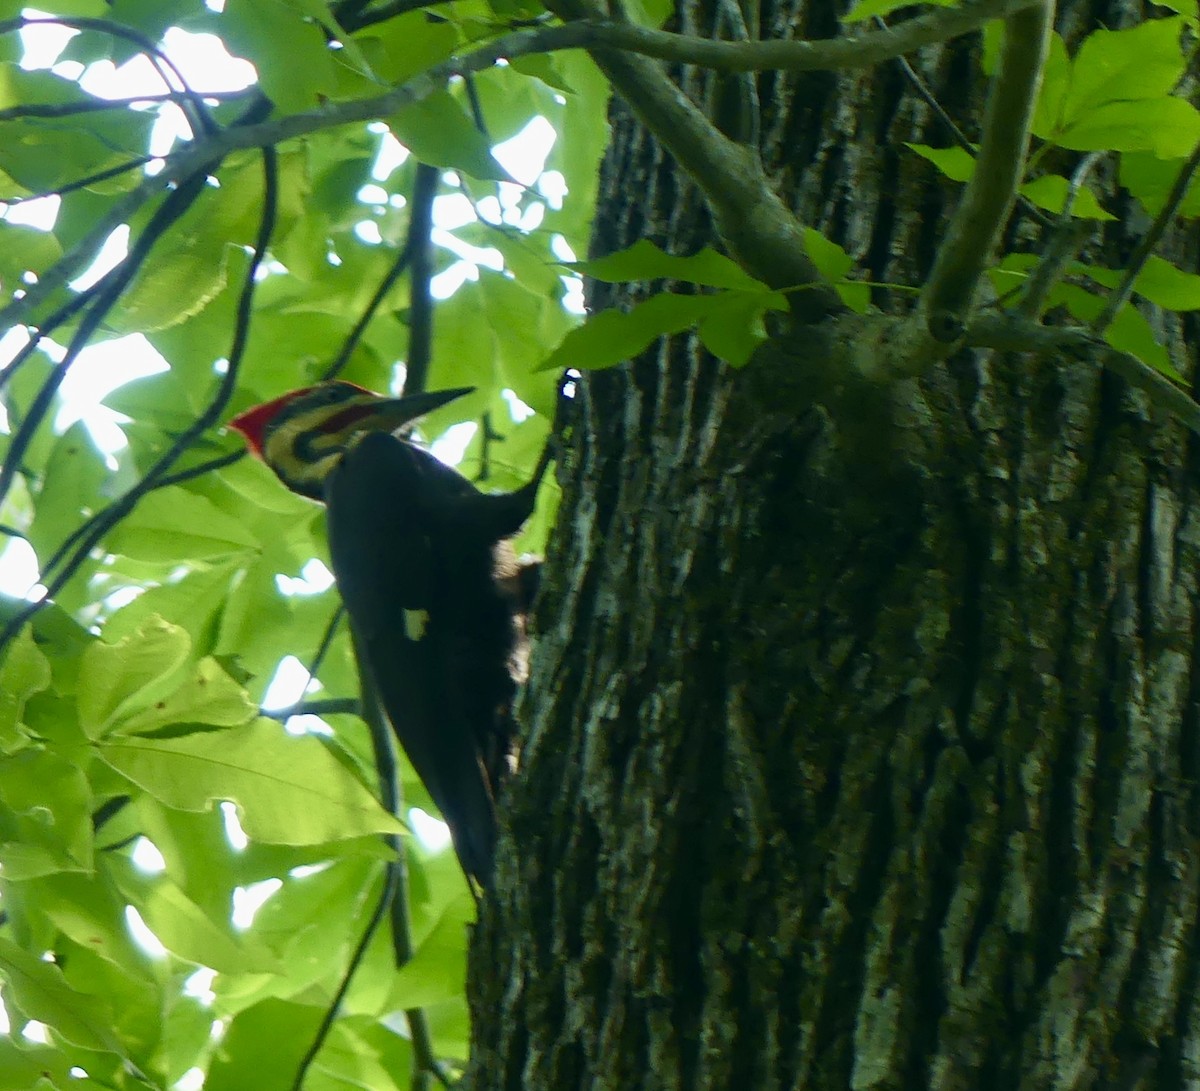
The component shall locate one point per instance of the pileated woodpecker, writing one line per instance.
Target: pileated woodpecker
(420, 563)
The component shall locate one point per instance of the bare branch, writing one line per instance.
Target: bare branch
(992, 189)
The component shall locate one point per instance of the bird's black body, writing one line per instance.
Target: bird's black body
(413, 545)
(418, 554)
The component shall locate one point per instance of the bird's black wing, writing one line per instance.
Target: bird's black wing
(412, 554)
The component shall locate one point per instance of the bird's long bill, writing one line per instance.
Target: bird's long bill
(388, 414)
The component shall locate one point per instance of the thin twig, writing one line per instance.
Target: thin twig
(386, 897)
(1062, 246)
(355, 335)
(64, 314)
(314, 668)
(424, 1057)
(328, 706)
(83, 183)
(356, 19)
(98, 105)
(930, 99)
(1150, 240)
(105, 515)
(200, 469)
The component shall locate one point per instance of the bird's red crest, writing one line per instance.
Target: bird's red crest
(253, 422)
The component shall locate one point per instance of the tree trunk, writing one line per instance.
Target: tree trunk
(861, 745)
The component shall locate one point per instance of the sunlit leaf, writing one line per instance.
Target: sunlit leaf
(112, 676)
(288, 790)
(38, 991)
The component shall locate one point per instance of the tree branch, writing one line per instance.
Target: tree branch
(420, 307)
(757, 226)
(989, 195)
(98, 105)
(1008, 334)
(862, 51)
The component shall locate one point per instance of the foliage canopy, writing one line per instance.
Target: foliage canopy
(188, 862)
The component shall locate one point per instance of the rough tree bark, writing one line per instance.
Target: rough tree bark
(861, 741)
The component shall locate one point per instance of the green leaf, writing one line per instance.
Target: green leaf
(45, 814)
(172, 525)
(1159, 281)
(1151, 180)
(113, 676)
(1136, 64)
(210, 696)
(71, 490)
(25, 249)
(264, 1043)
(184, 929)
(294, 66)
(176, 282)
(955, 163)
(90, 909)
(1050, 193)
(1130, 332)
(645, 261)
(195, 599)
(25, 1064)
(1168, 286)
(37, 989)
(438, 131)
(608, 338)
(1168, 127)
(733, 327)
(438, 969)
(24, 672)
(409, 44)
(288, 790)
(318, 11)
(1056, 78)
